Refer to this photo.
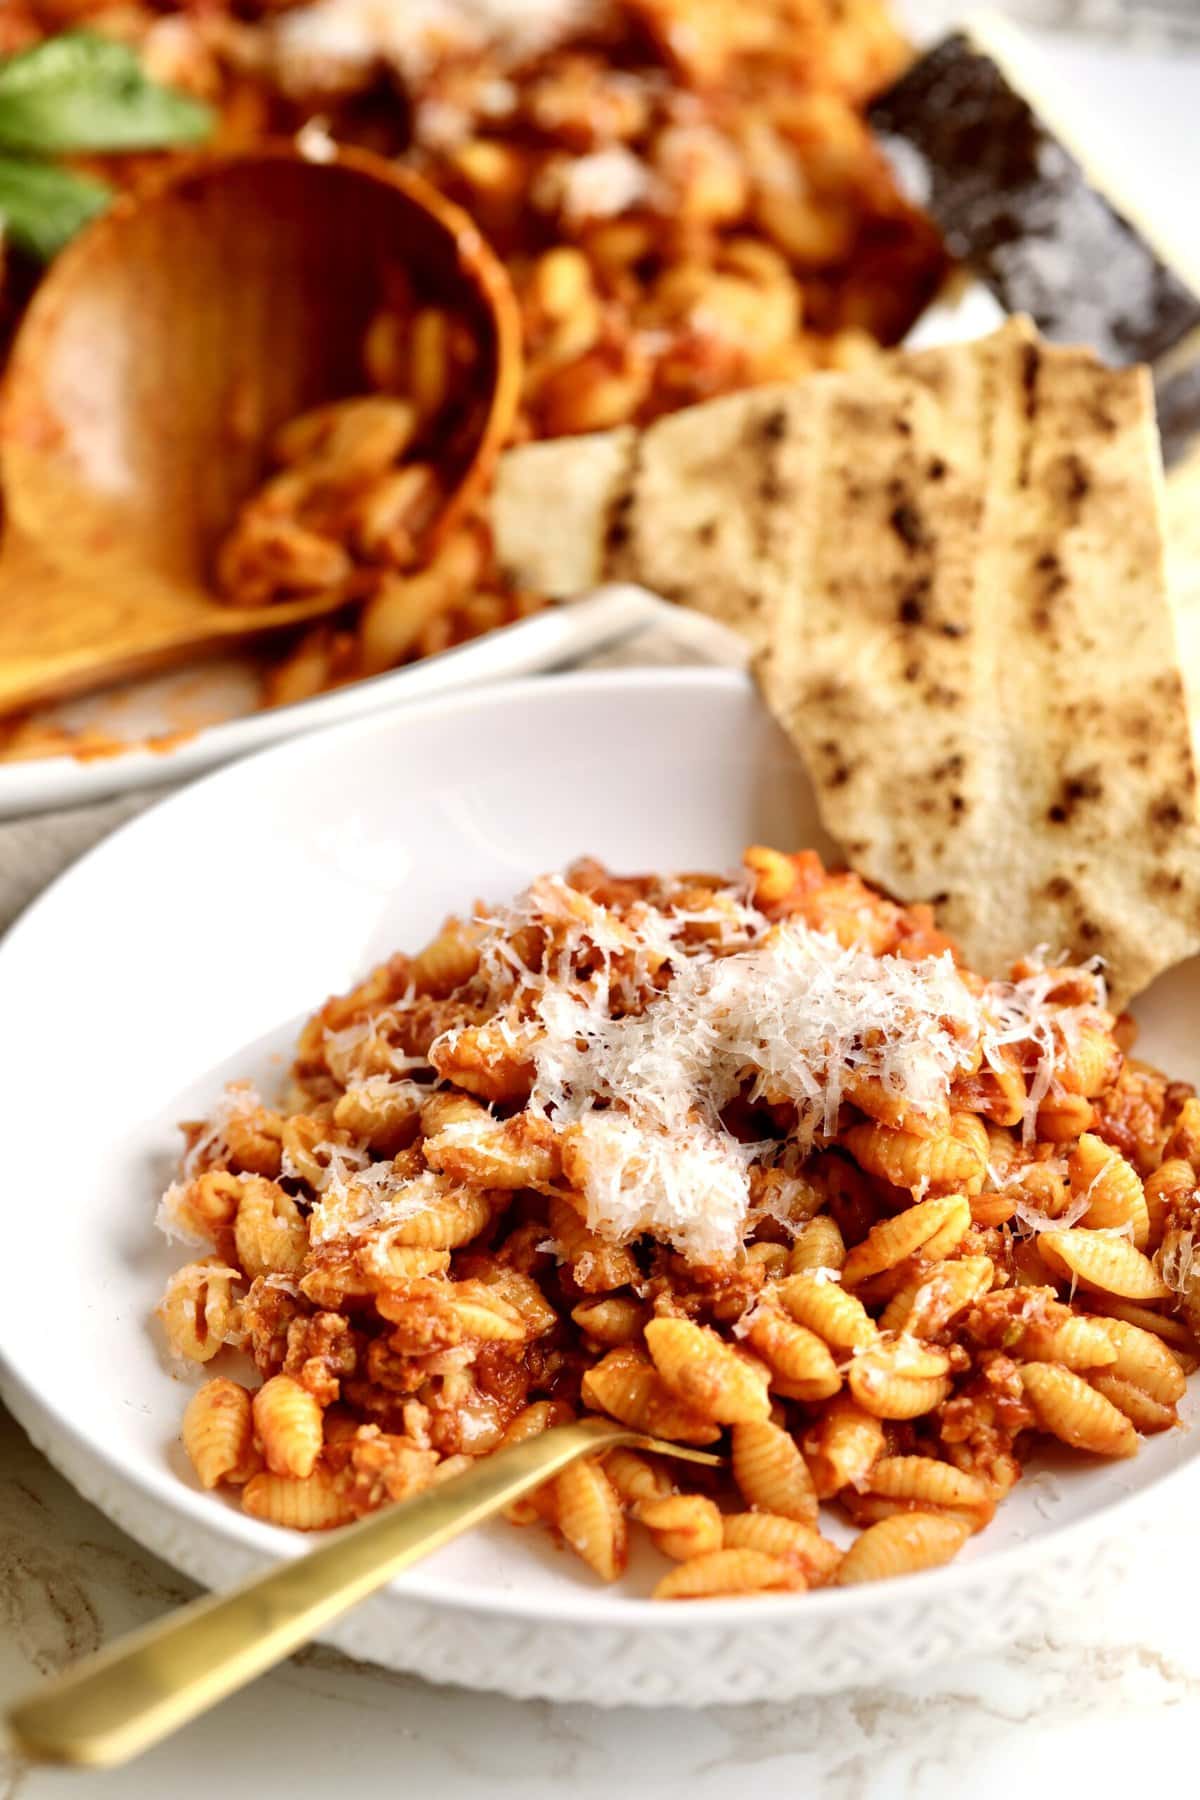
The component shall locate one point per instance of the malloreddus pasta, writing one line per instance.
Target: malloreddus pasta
(754, 1163)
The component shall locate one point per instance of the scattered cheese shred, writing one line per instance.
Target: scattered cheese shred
(1178, 1262)
(372, 1199)
(1022, 1012)
(644, 1026)
(172, 1217)
(650, 1025)
(239, 1100)
(312, 44)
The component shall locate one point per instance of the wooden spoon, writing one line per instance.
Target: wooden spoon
(158, 355)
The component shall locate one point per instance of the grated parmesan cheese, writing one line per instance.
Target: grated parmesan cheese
(374, 1199)
(1034, 1219)
(171, 1218)
(1178, 1263)
(316, 45)
(794, 1016)
(643, 1028)
(691, 1192)
(338, 1163)
(238, 1101)
(1021, 1012)
(600, 185)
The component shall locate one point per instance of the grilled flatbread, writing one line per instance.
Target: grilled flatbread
(950, 568)
(980, 665)
(1182, 520)
(551, 508)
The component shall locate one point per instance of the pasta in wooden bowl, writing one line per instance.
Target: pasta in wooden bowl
(754, 1162)
(687, 198)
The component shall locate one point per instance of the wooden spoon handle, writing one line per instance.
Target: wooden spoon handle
(117, 1703)
(62, 634)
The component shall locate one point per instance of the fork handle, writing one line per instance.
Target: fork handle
(118, 1702)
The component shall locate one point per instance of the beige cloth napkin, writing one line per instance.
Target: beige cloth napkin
(33, 850)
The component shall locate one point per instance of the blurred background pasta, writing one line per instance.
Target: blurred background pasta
(688, 202)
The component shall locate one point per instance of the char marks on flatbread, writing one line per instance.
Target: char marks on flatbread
(552, 506)
(982, 674)
(950, 569)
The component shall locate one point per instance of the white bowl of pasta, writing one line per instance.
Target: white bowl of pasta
(186, 952)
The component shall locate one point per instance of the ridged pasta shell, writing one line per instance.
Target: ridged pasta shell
(727, 1572)
(1141, 1357)
(1071, 1410)
(588, 1514)
(818, 1245)
(948, 1236)
(269, 1233)
(790, 1540)
(880, 1387)
(218, 1433)
(925, 1307)
(313, 1503)
(522, 1294)
(626, 1386)
(1110, 1265)
(1078, 1343)
(1144, 1413)
(771, 1474)
(901, 1236)
(1171, 1330)
(495, 1153)
(288, 1422)
(843, 1446)
(802, 1367)
(925, 1482)
(445, 1223)
(1091, 1061)
(826, 1308)
(901, 1545)
(200, 1311)
(613, 1319)
(908, 1161)
(532, 1420)
(596, 1265)
(448, 961)
(683, 1525)
(637, 1480)
(707, 1375)
(1112, 1188)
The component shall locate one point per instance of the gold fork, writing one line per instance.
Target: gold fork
(117, 1703)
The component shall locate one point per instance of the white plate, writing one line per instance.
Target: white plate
(184, 950)
(559, 635)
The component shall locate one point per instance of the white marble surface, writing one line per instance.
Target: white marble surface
(1107, 1700)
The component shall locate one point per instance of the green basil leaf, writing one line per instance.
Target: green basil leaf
(85, 92)
(43, 206)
